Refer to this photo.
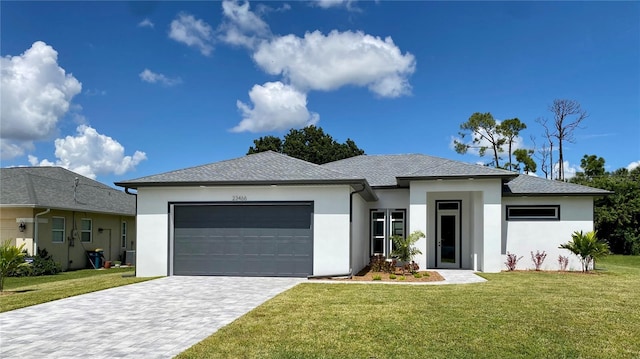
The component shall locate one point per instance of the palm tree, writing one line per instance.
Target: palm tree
(11, 258)
(587, 247)
(405, 251)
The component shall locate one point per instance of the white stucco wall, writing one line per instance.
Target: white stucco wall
(359, 234)
(397, 198)
(524, 237)
(330, 221)
(483, 225)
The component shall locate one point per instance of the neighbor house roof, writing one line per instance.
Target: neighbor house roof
(54, 187)
(525, 185)
(394, 170)
(267, 168)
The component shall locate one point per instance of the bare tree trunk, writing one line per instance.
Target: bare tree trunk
(562, 110)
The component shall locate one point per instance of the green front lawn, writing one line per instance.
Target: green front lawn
(513, 315)
(26, 291)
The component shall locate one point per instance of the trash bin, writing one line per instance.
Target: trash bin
(95, 258)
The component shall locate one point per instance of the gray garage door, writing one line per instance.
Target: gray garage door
(248, 239)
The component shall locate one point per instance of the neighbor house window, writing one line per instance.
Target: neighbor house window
(386, 223)
(534, 213)
(124, 235)
(57, 229)
(85, 230)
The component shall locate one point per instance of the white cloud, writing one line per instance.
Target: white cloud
(313, 62)
(569, 170)
(35, 94)
(192, 32)
(633, 165)
(276, 106)
(90, 153)
(152, 77)
(328, 62)
(326, 4)
(11, 149)
(242, 27)
(146, 23)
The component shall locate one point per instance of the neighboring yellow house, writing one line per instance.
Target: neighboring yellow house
(67, 214)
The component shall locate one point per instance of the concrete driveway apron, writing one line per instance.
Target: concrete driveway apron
(155, 319)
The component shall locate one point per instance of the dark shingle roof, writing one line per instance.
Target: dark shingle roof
(530, 185)
(388, 170)
(367, 170)
(53, 187)
(260, 168)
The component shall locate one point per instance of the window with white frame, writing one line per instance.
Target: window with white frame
(124, 235)
(85, 230)
(533, 213)
(386, 223)
(57, 229)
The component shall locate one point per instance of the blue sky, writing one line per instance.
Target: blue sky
(120, 90)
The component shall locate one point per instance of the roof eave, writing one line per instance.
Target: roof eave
(555, 194)
(367, 194)
(403, 181)
(69, 209)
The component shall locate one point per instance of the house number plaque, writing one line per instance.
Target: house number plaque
(239, 198)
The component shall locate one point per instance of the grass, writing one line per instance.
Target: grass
(513, 315)
(27, 291)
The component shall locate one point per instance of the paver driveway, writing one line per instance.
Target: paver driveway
(154, 319)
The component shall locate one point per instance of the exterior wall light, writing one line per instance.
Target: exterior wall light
(22, 226)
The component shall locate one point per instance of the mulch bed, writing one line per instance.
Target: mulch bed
(366, 275)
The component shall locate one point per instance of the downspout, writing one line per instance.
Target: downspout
(135, 269)
(35, 231)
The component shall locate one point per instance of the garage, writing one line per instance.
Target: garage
(243, 239)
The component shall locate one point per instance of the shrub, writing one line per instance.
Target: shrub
(538, 258)
(392, 276)
(42, 264)
(377, 277)
(402, 277)
(11, 258)
(512, 261)
(587, 247)
(379, 263)
(417, 275)
(563, 262)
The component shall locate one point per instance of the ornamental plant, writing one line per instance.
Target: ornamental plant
(563, 262)
(538, 258)
(405, 250)
(587, 247)
(512, 261)
(11, 258)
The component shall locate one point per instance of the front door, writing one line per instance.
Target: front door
(448, 235)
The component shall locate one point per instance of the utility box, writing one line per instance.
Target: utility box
(130, 258)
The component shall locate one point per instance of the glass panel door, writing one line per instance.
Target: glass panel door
(448, 238)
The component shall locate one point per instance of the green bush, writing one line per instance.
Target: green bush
(42, 264)
(11, 259)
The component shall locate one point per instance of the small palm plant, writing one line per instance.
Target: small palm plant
(11, 258)
(404, 248)
(587, 247)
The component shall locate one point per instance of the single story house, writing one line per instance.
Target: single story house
(67, 214)
(268, 214)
